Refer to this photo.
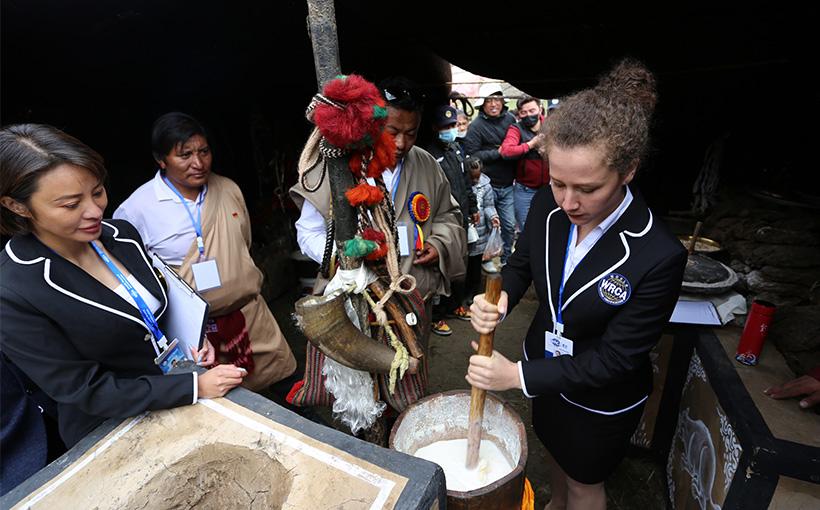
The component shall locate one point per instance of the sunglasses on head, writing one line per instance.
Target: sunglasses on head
(392, 94)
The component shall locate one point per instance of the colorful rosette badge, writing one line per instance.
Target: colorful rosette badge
(419, 208)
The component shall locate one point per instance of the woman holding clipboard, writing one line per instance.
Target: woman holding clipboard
(607, 274)
(80, 299)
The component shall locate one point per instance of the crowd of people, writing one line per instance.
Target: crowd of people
(81, 302)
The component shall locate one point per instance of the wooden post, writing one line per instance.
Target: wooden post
(485, 348)
(322, 27)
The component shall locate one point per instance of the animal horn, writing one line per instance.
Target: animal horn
(326, 325)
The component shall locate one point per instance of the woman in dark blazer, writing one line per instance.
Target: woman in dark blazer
(607, 274)
(68, 322)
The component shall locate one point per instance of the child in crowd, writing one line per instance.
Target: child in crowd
(488, 218)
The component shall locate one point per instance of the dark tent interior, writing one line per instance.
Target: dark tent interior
(103, 71)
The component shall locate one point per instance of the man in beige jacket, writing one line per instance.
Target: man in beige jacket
(442, 259)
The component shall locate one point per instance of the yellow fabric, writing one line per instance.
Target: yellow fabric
(528, 502)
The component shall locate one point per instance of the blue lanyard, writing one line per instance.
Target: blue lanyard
(399, 166)
(559, 319)
(196, 221)
(147, 315)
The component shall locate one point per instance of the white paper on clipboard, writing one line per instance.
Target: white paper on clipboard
(695, 312)
(187, 312)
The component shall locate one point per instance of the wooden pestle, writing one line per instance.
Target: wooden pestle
(694, 239)
(485, 348)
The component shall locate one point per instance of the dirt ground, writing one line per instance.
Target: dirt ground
(637, 484)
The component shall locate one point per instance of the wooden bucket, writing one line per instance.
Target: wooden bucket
(445, 416)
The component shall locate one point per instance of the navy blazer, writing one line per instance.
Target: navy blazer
(613, 325)
(84, 345)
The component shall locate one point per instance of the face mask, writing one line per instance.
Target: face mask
(448, 135)
(529, 121)
(461, 134)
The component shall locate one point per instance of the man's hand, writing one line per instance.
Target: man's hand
(806, 385)
(476, 218)
(427, 256)
(532, 143)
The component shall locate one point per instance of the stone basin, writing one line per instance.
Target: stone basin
(243, 451)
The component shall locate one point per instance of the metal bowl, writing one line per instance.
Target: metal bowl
(702, 245)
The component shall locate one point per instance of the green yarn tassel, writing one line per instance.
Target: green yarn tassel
(358, 247)
(379, 112)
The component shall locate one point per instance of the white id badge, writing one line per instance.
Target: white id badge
(171, 357)
(404, 239)
(206, 275)
(555, 345)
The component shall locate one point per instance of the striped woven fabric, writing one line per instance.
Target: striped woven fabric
(313, 391)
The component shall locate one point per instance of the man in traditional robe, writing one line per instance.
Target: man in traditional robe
(442, 258)
(217, 227)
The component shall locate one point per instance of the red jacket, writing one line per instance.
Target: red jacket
(530, 168)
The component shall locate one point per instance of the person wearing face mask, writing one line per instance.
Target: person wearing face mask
(463, 125)
(449, 156)
(531, 170)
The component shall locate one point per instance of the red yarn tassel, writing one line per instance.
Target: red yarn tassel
(356, 123)
(371, 234)
(380, 253)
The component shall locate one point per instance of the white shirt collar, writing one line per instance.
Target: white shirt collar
(617, 213)
(576, 253)
(165, 193)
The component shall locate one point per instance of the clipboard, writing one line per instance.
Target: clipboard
(187, 313)
(695, 312)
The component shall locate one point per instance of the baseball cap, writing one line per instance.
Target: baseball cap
(445, 115)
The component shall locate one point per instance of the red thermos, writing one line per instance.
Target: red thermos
(757, 325)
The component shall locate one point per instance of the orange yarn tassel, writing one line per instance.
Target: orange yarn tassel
(384, 155)
(364, 194)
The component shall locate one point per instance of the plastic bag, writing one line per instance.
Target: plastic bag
(472, 234)
(495, 247)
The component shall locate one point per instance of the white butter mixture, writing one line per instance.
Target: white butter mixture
(451, 455)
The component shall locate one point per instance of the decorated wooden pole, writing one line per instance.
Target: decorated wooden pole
(485, 348)
(322, 26)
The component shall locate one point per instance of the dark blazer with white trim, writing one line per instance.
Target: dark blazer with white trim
(610, 370)
(84, 345)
